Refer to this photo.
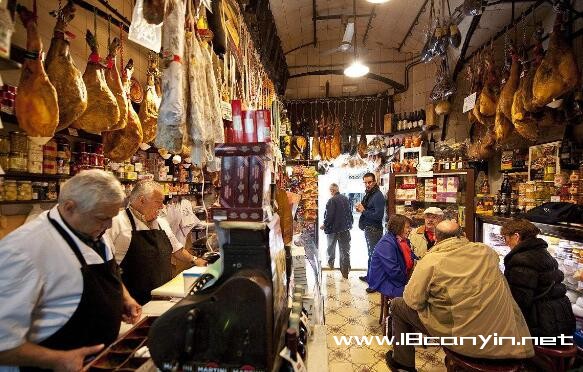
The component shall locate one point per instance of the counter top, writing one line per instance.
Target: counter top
(563, 231)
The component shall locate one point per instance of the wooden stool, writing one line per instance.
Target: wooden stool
(558, 359)
(458, 363)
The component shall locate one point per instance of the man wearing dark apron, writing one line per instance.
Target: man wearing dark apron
(144, 243)
(69, 234)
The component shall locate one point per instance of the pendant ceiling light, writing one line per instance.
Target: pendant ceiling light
(356, 69)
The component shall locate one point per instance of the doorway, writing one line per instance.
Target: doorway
(349, 181)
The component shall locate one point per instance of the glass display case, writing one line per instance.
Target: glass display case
(452, 191)
(565, 245)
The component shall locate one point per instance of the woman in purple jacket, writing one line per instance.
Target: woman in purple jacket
(393, 259)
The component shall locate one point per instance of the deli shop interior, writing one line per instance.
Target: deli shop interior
(299, 185)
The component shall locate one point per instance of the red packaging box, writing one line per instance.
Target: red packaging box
(249, 126)
(259, 182)
(239, 214)
(263, 120)
(238, 131)
(240, 181)
(227, 196)
(244, 149)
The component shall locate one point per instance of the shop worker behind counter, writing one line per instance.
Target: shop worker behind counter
(457, 290)
(61, 299)
(143, 243)
(372, 209)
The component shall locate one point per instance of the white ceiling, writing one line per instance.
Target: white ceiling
(388, 29)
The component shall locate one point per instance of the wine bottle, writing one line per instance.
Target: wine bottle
(291, 343)
(294, 322)
(303, 335)
(431, 146)
(506, 187)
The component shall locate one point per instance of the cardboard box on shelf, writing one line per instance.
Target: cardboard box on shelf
(441, 184)
(452, 184)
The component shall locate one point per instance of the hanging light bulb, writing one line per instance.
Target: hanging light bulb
(356, 70)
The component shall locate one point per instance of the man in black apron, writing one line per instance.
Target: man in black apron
(144, 244)
(72, 231)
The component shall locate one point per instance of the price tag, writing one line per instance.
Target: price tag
(451, 200)
(425, 174)
(73, 132)
(470, 102)
(407, 202)
(227, 111)
(555, 199)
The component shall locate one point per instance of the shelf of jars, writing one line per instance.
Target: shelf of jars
(34, 176)
(450, 190)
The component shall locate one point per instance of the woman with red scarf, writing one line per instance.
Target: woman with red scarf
(393, 260)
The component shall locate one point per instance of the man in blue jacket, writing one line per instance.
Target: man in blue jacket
(337, 225)
(372, 209)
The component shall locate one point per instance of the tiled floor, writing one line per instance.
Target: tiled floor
(351, 311)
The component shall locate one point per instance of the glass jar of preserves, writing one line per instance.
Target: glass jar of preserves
(63, 150)
(4, 145)
(4, 161)
(18, 142)
(63, 166)
(36, 187)
(50, 149)
(24, 189)
(49, 166)
(52, 191)
(10, 190)
(17, 162)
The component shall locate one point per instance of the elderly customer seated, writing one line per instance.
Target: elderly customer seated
(536, 281)
(393, 260)
(423, 237)
(457, 290)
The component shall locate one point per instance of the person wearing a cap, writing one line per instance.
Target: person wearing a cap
(423, 237)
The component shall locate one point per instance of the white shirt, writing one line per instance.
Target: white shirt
(40, 281)
(119, 235)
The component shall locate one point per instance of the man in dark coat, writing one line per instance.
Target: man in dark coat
(372, 209)
(337, 225)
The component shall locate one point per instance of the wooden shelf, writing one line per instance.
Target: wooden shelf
(7, 202)
(439, 173)
(34, 176)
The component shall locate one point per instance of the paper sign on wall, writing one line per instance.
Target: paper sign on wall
(469, 102)
(227, 111)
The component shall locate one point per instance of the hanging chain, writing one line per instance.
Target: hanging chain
(95, 22)
(108, 29)
(121, 50)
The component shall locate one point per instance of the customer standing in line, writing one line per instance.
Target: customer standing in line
(536, 281)
(372, 209)
(338, 221)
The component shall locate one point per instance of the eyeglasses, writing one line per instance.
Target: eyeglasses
(368, 182)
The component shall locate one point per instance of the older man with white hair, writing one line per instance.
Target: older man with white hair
(144, 243)
(423, 238)
(60, 292)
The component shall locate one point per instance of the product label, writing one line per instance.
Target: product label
(297, 365)
(227, 111)
(469, 102)
(249, 126)
(73, 132)
(237, 124)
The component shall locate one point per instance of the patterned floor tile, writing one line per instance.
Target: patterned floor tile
(350, 311)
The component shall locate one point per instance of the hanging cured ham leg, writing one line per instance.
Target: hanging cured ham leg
(36, 105)
(149, 108)
(120, 145)
(102, 110)
(114, 83)
(558, 73)
(63, 73)
(172, 115)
